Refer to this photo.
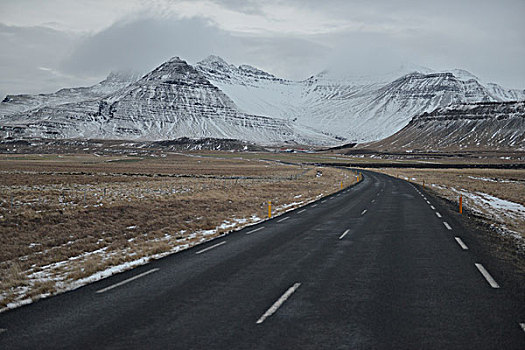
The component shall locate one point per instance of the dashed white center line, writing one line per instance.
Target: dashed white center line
(314, 205)
(373, 200)
(447, 225)
(432, 207)
(253, 231)
(487, 276)
(126, 281)
(344, 234)
(438, 215)
(428, 202)
(286, 218)
(301, 211)
(278, 303)
(2, 330)
(213, 246)
(461, 244)
(522, 325)
(363, 212)
(323, 201)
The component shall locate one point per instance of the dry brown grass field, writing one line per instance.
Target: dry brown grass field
(64, 218)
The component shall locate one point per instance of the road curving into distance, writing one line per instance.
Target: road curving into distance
(380, 265)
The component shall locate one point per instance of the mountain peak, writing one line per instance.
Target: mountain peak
(215, 61)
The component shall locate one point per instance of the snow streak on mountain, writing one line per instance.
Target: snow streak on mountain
(174, 100)
(357, 108)
(219, 100)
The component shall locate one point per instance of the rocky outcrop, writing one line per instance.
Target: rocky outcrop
(473, 126)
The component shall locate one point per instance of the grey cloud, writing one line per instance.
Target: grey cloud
(28, 59)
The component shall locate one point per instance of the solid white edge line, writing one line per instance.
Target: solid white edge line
(252, 231)
(438, 215)
(461, 244)
(522, 325)
(301, 211)
(213, 246)
(281, 220)
(447, 225)
(363, 212)
(126, 281)
(487, 276)
(344, 234)
(278, 303)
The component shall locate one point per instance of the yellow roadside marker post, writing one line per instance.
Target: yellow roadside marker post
(269, 209)
(461, 204)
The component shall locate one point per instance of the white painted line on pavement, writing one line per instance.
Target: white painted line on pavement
(461, 244)
(286, 218)
(432, 207)
(323, 201)
(447, 225)
(213, 246)
(126, 281)
(344, 234)
(522, 325)
(438, 215)
(301, 211)
(314, 205)
(487, 276)
(428, 202)
(373, 200)
(253, 231)
(278, 303)
(2, 330)
(363, 212)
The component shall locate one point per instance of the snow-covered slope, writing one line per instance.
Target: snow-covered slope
(361, 108)
(22, 103)
(174, 100)
(483, 125)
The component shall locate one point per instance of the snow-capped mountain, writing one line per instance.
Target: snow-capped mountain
(174, 100)
(22, 103)
(482, 125)
(359, 108)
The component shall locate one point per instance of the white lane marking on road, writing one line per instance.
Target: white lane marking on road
(373, 200)
(314, 205)
(323, 201)
(344, 234)
(213, 246)
(338, 194)
(253, 231)
(432, 207)
(438, 215)
(447, 225)
(461, 244)
(127, 281)
(522, 325)
(428, 202)
(2, 330)
(278, 303)
(286, 218)
(301, 211)
(487, 276)
(363, 212)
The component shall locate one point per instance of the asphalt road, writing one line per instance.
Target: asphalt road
(372, 267)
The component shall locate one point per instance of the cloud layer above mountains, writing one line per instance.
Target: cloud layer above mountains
(57, 43)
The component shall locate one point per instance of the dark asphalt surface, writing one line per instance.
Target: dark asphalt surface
(397, 279)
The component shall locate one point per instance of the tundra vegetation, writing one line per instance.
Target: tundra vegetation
(69, 219)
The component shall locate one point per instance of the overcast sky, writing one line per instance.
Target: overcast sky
(47, 45)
